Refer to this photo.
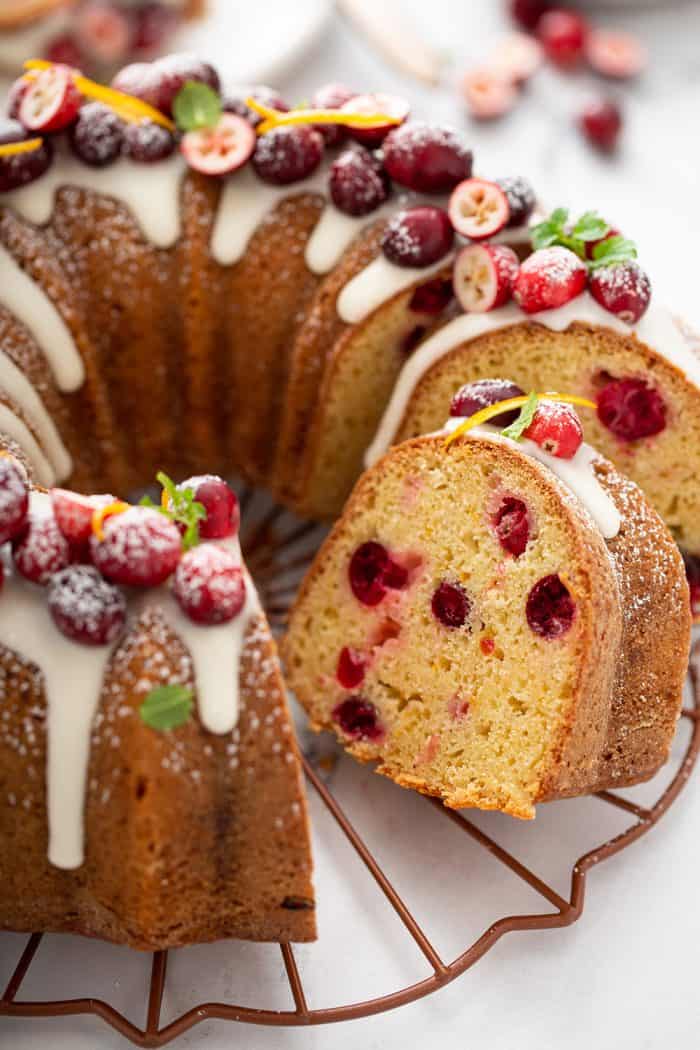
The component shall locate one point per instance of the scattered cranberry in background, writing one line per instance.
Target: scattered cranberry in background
(390, 105)
(168, 75)
(74, 513)
(562, 34)
(21, 168)
(223, 148)
(451, 604)
(358, 719)
(432, 297)
(484, 275)
(427, 159)
(140, 548)
(601, 123)
(332, 96)
(557, 429)
(98, 135)
(631, 409)
(478, 209)
(85, 607)
(41, 549)
(351, 668)
(357, 183)
(267, 96)
(517, 58)
(372, 572)
(550, 609)
(549, 278)
(221, 504)
(153, 24)
(482, 393)
(14, 498)
(288, 154)
(148, 142)
(615, 54)
(139, 79)
(692, 571)
(209, 585)
(521, 198)
(103, 31)
(488, 94)
(527, 13)
(418, 236)
(511, 523)
(64, 49)
(623, 288)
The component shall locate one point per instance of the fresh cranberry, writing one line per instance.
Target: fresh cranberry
(550, 609)
(74, 513)
(209, 584)
(451, 604)
(221, 504)
(549, 278)
(221, 149)
(85, 607)
(332, 96)
(41, 549)
(601, 123)
(266, 96)
(527, 13)
(623, 288)
(472, 397)
(139, 79)
(631, 409)
(154, 23)
(65, 50)
(562, 34)
(52, 101)
(556, 428)
(104, 31)
(432, 297)
(487, 93)
(521, 198)
(98, 135)
(288, 154)
(372, 572)
(389, 105)
(615, 54)
(358, 185)
(14, 498)
(171, 73)
(478, 209)
(351, 668)
(19, 169)
(511, 523)
(517, 58)
(358, 719)
(395, 576)
(148, 142)
(692, 571)
(18, 90)
(427, 159)
(484, 275)
(140, 548)
(418, 236)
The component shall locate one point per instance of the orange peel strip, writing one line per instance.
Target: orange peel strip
(10, 149)
(484, 414)
(274, 118)
(101, 513)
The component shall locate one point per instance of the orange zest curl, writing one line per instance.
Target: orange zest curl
(275, 118)
(484, 414)
(10, 149)
(100, 514)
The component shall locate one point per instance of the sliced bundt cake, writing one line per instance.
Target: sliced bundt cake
(496, 622)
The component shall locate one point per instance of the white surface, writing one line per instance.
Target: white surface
(625, 976)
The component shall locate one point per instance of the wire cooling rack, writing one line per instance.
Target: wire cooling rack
(278, 549)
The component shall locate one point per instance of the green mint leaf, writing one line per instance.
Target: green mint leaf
(182, 508)
(613, 250)
(196, 106)
(590, 227)
(167, 707)
(549, 231)
(526, 416)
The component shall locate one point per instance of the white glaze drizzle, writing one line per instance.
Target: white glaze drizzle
(17, 430)
(378, 282)
(657, 329)
(15, 384)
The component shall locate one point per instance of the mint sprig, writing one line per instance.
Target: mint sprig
(526, 415)
(167, 707)
(196, 106)
(558, 229)
(182, 508)
(611, 251)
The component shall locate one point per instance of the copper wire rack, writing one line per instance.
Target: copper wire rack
(278, 549)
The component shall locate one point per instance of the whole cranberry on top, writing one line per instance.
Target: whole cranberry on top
(19, 169)
(14, 498)
(556, 428)
(288, 154)
(623, 288)
(97, 137)
(139, 548)
(221, 504)
(472, 397)
(549, 278)
(562, 34)
(601, 123)
(427, 159)
(85, 607)
(209, 585)
(357, 182)
(159, 82)
(41, 549)
(418, 236)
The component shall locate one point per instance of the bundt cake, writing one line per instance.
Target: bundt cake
(497, 619)
(150, 787)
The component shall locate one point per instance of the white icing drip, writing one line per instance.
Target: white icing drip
(30, 304)
(15, 384)
(656, 329)
(380, 281)
(576, 473)
(18, 431)
(335, 231)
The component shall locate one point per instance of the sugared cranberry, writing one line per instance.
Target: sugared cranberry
(556, 428)
(623, 288)
(511, 523)
(389, 105)
(171, 73)
(138, 79)
(103, 31)
(615, 54)
(478, 209)
(288, 154)
(550, 609)
(21, 168)
(52, 101)
(517, 58)
(527, 13)
(148, 142)
(549, 278)
(482, 393)
(14, 498)
(601, 123)
(41, 549)
(521, 198)
(372, 572)
(427, 159)
(484, 275)
(432, 297)
(85, 607)
(451, 604)
(351, 668)
(18, 90)
(332, 96)
(358, 719)
(221, 149)
(562, 34)
(153, 23)
(98, 135)
(487, 93)
(692, 571)
(357, 182)
(267, 96)
(74, 513)
(418, 236)
(209, 584)
(221, 504)
(631, 409)
(140, 548)
(65, 50)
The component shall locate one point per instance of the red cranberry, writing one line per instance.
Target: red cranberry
(372, 572)
(418, 236)
(550, 609)
(511, 523)
(41, 550)
(74, 513)
(432, 297)
(388, 105)
(472, 397)
(139, 79)
(562, 34)
(153, 24)
(484, 275)
(221, 149)
(451, 604)
(521, 198)
(148, 142)
(98, 135)
(478, 209)
(601, 123)
(14, 498)
(357, 183)
(351, 668)
(427, 159)
(615, 54)
(104, 31)
(631, 409)
(209, 584)
(288, 154)
(52, 101)
(85, 607)
(358, 719)
(65, 50)
(488, 94)
(332, 96)
(623, 288)
(21, 168)
(140, 548)
(527, 13)
(692, 571)
(549, 278)
(171, 73)
(266, 96)
(557, 429)
(221, 504)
